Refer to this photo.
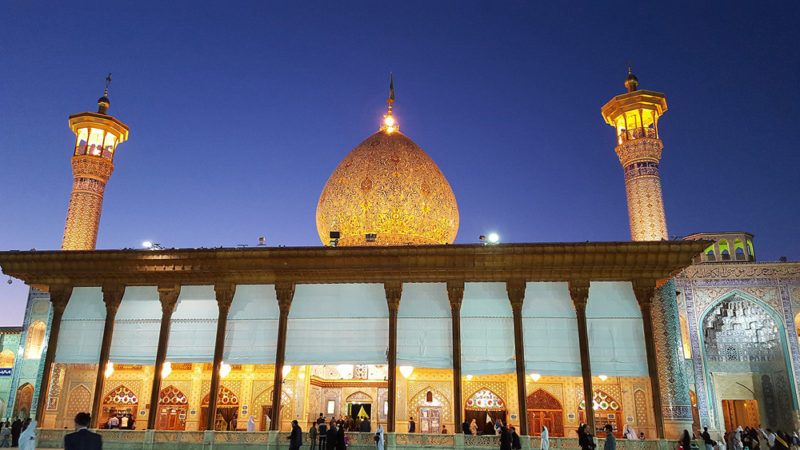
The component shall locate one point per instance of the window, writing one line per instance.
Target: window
(6, 358)
(385, 407)
(34, 340)
(331, 407)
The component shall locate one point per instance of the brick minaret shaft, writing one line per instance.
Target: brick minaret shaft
(92, 163)
(635, 116)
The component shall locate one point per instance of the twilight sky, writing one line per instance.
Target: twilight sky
(240, 111)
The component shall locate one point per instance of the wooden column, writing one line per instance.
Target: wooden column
(285, 292)
(579, 292)
(393, 293)
(59, 296)
(168, 295)
(516, 295)
(455, 293)
(112, 297)
(224, 293)
(644, 291)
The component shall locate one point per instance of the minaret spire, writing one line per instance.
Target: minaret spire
(103, 102)
(389, 124)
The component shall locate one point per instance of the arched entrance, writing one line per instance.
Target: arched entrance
(607, 411)
(120, 402)
(172, 407)
(359, 405)
(544, 410)
(227, 410)
(22, 402)
(263, 408)
(744, 347)
(431, 408)
(482, 404)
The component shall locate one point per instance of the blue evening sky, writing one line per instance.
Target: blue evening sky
(240, 111)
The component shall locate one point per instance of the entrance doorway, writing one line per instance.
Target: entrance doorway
(172, 407)
(266, 413)
(485, 407)
(430, 420)
(359, 410)
(606, 412)
(740, 413)
(22, 403)
(544, 410)
(227, 410)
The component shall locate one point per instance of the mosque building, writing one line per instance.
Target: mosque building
(390, 322)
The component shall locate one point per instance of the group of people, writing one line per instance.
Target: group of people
(121, 421)
(18, 433)
(331, 435)
(751, 439)
(490, 427)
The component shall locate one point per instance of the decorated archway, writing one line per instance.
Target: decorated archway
(485, 403)
(122, 402)
(78, 400)
(23, 400)
(262, 408)
(227, 410)
(544, 410)
(607, 411)
(172, 409)
(432, 409)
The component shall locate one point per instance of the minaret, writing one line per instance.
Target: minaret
(92, 163)
(635, 115)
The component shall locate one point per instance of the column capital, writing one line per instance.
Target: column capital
(644, 290)
(284, 290)
(579, 293)
(516, 293)
(455, 293)
(59, 297)
(394, 291)
(224, 293)
(112, 296)
(168, 295)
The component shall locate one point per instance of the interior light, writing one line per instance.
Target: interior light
(406, 371)
(602, 377)
(166, 369)
(535, 377)
(286, 369)
(469, 377)
(224, 370)
(109, 369)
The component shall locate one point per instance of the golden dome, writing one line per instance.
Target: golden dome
(388, 186)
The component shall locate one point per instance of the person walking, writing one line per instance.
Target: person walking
(251, 423)
(465, 428)
(545, 439)
(585, 439)
(515, 442)
(505, 438)
(473, 427)
(312, 436)
(611, 441)
(379, 438)
(365, 426)
(82, 438)
(5, 434)
(16, 430)
(412, 426)
(341, 444)
(322, 432)
(686, 440)
(710, 443)
(331, 435)
(27, 440)
(296, 436)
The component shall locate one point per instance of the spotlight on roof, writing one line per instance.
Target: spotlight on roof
(335, 235)
(493, 238)
(262, 241)
(147, 244)
(152, 245)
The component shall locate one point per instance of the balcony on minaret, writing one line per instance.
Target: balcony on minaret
(96, 142)
(97, 135)
(635, 114)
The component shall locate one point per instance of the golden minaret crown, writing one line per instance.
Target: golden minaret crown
(635, 115)
(97, 136)
(387, 191)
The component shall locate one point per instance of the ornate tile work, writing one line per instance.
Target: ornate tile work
(676, 404)
(639, 159)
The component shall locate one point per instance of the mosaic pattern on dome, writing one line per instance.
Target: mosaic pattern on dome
(388, 186)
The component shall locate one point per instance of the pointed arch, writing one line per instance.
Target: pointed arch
(264, 399)
(23, 401)
(358, 396)
(79, 400)
(171, 395)
(121, 395)
(34, 340)
(544, 410)
(782, 333)
(225, 397)
(485, 399)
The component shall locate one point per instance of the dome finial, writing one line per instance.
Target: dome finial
(103, 102)
(389, 124)
(631, 82)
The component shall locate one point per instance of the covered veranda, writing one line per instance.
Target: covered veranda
(517, 332)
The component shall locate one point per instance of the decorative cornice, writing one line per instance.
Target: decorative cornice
(742, 271)
(599, 261)
(316, 381)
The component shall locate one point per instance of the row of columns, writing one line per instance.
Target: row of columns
(168, 296)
